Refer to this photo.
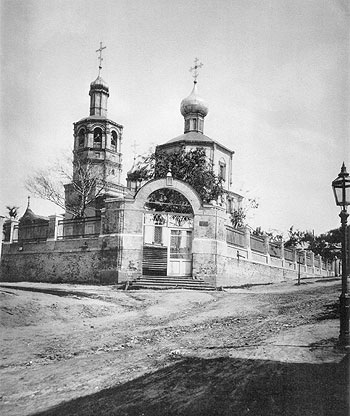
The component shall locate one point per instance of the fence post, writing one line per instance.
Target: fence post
(1, 231)
(282, 254)
(336, 267)
(53, 227)
(267, 248)
(319, 264)
(312, 254)
(296, 258)
(305, 260)
(103, 220)
(247, 243)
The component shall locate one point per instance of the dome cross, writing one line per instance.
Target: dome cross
(100, 57)
(194, 69)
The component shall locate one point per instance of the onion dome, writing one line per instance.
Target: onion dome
(193, 104)
(99, 83)
(99, 93)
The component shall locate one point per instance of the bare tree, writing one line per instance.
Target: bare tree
(71, 186)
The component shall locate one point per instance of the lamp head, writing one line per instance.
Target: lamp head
(341, 188)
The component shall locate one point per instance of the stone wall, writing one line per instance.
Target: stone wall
(75, 261)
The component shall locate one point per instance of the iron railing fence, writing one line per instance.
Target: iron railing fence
(257, 244)
(30, 233)
(79, 227)
(289, 254)
(275, 250)
(235, 237)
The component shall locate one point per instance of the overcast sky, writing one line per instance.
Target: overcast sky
(275, 77)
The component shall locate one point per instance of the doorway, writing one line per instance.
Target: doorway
(167, 246)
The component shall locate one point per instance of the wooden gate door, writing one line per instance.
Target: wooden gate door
(180, 253)
(167, 247)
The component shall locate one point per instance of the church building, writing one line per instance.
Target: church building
(131, 234)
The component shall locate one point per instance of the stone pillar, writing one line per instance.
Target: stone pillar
(13, 231)
(282, 254)
(247, 243)
(53, 227)
(319, 259)
(295, 257)
(267, 248)
(305, 260)
(103, 219)
(1, 232)
(312, 261)
(336, 267)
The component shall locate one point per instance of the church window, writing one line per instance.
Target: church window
(194, 124)
(222, 170)
(114, 140)
(81, 138)
(97, 138)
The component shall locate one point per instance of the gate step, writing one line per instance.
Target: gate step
(170, 282)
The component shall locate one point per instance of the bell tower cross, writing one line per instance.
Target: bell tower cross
(100, 57)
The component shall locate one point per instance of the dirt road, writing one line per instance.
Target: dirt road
(88, 350)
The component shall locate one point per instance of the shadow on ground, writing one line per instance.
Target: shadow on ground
(223, 386)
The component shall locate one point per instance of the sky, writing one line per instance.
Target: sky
(275, 77)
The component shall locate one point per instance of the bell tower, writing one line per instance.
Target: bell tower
(97, 141)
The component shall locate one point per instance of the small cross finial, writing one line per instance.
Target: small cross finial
(100, 57)
(194, 69)
(28, 202)
(134, 147)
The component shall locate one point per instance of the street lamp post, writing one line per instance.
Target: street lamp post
(299, 252)
(341, 189)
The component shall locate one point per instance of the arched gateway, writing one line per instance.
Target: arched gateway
(169, 207)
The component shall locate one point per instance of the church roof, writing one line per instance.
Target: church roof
(191, 136)
(29, 216)
(98, 117)
(196, 138)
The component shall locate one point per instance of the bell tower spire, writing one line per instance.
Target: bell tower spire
(99, 91)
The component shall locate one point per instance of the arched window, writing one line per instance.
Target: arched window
(114, 141)
(81, 138)
(97, 138)
(222, 169)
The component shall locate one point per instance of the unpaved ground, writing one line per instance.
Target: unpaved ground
(263, 350)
